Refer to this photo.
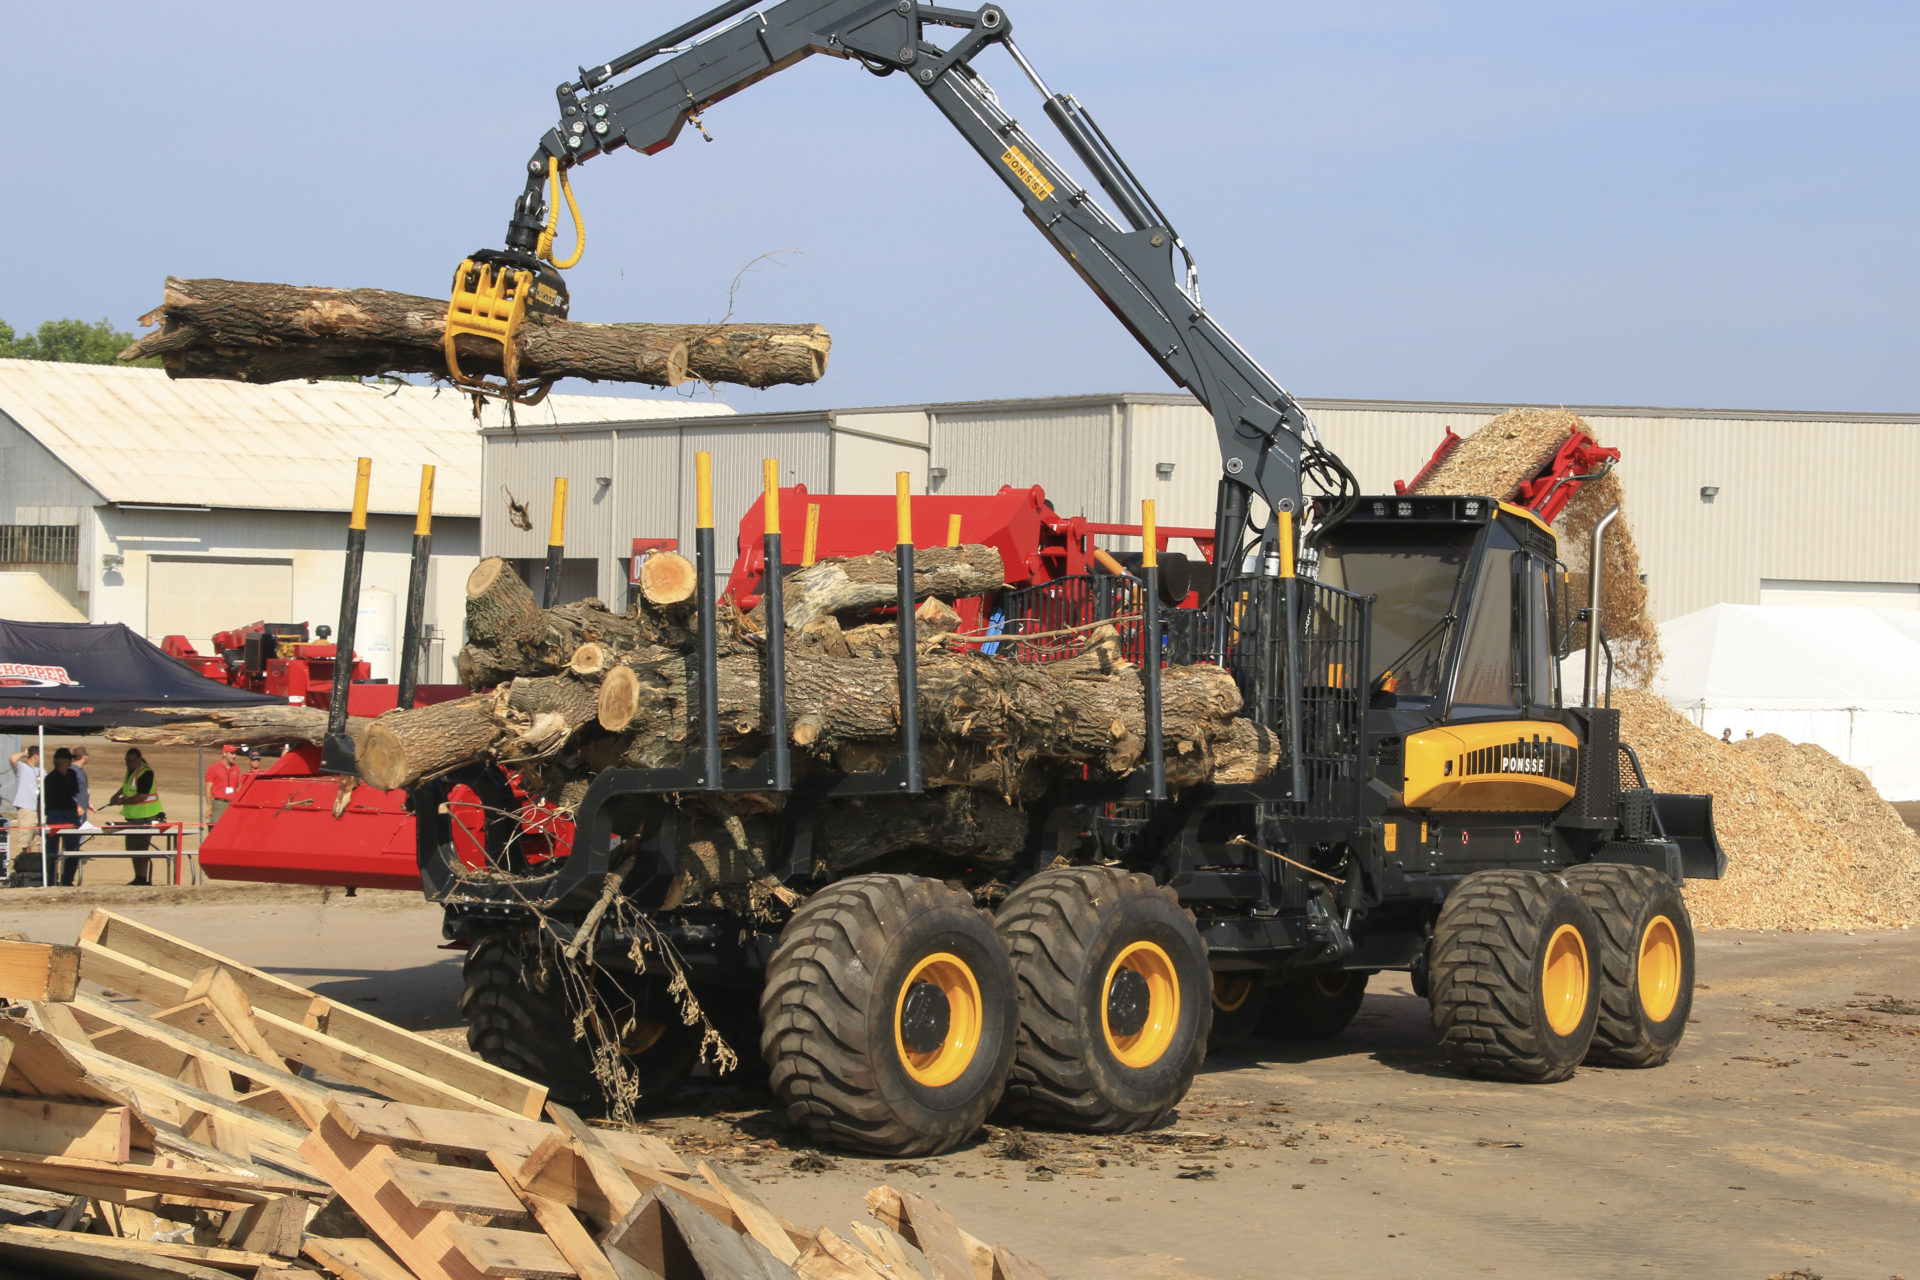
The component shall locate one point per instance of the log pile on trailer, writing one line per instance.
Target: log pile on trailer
(563, 693)
(200, 1119)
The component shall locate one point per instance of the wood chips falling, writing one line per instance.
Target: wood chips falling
(1810, 844)
(1496, 459)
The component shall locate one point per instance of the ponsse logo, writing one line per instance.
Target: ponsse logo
(1540, 758)
(25, 675)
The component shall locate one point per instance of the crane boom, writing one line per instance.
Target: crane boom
(1266, 439)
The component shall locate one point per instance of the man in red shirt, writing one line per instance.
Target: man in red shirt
(223, 779)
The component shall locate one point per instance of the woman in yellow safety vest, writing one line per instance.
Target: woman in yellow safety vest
(139, 802)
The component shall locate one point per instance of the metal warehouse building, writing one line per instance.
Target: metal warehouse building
(1737, 506)
(190, 507)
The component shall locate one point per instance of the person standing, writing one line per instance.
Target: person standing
(25, 764)
(80, 772)
(62, 792)
(139, 802)
(222, 780)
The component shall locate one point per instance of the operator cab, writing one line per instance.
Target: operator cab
(1464, 615)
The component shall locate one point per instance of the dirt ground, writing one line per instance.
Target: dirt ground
(1783, 1139)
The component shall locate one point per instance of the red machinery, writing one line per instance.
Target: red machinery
(281, 826)
(1036, 543)
(274, 658)
(1547, 493)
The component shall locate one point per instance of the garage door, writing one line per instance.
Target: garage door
(195, 596)
(1805, 592)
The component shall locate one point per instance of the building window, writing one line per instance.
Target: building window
(39, 543)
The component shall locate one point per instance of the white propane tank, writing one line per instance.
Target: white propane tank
(378, 630)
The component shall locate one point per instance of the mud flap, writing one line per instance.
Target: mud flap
(1688, 822)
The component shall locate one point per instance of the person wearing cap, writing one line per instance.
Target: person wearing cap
(222, 780)
(61, 791)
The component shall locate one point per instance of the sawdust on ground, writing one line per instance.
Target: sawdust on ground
(1809, 843)
(1496, 459)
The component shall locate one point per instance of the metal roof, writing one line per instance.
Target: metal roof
(28, 597)
(139, 437)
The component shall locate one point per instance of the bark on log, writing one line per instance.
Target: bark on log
(274, 332)
(214, 726)
(861, 584)
(509, 635)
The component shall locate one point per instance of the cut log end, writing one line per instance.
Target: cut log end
(589, 659)
(381, 758)
(667, 578)
(619, 699)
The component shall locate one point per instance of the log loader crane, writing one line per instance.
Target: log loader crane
(1437, 806)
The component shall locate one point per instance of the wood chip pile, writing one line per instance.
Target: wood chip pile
(204, 1120)
(1497, 458)
(1810, 844)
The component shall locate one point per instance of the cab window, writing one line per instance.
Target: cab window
(1487, 658)
(1543, 670)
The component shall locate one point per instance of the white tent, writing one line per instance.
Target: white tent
(1847, 679)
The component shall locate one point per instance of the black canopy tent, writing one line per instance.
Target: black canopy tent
(76, 678)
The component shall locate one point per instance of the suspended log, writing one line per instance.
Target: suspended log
(275, 332)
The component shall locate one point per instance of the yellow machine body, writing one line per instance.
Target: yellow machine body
(1505, 766)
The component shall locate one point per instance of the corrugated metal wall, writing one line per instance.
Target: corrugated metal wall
(1803, 497)
(649, 489)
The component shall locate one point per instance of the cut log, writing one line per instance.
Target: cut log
(861, 584)
(402, 748)
(274, 332)
(509, 635)
(216, 726)
(667, 578)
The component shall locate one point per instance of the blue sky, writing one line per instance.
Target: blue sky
(1681, 203)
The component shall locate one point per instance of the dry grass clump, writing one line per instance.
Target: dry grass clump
(1806, 847)
(1493, 461)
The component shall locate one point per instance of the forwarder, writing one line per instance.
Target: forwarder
(1438, 807)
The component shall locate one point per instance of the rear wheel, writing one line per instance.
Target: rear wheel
(1317, 1004)
(625, 1048)
(1645, 963)
(1514, 966)
(1115, 999)
(888, 1016)
(1239, 1000)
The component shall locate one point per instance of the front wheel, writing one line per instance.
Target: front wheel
(887, 1021)
(1116, 999)
(1645, 962)
(1513, 961)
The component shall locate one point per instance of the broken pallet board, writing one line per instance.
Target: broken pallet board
(38, 971)
(182, 963)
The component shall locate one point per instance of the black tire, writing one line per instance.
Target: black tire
(1646, 963)
(1069, 932)
(1514, 976)
(521, 1016)
(838, 1033)
(1314, 1004)
(1239, 1002)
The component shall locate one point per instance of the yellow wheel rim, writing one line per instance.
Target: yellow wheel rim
(1332, 983)
(1143, 978)
(1231, 991)
(1564, 981)
(1659, 969)
(937, 1018)
(641, 1035)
